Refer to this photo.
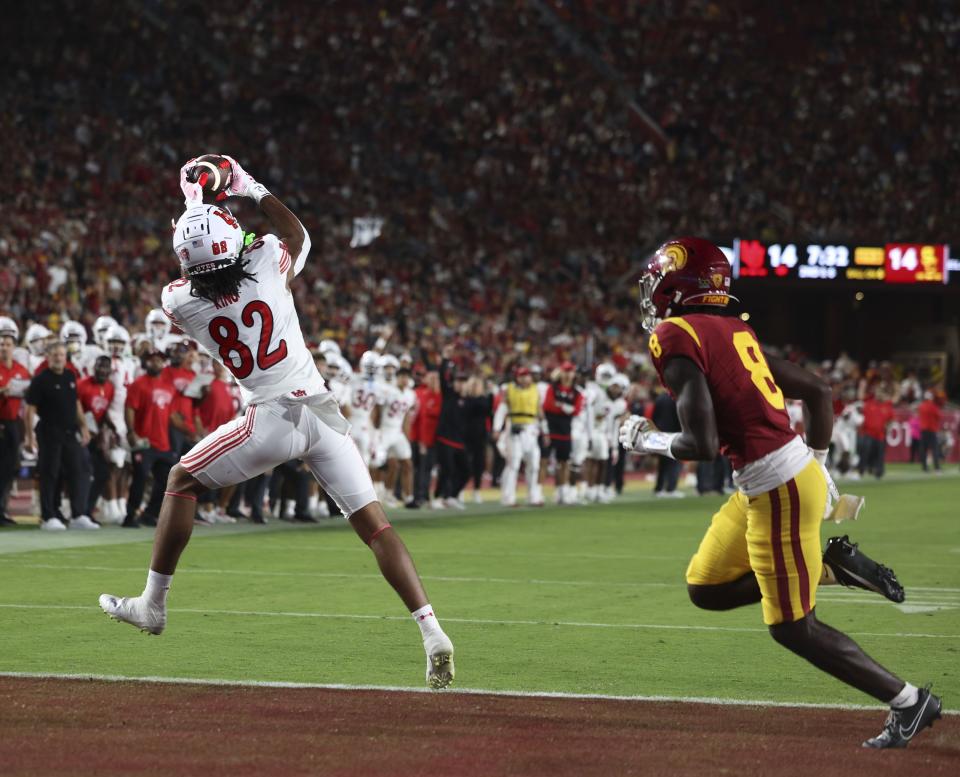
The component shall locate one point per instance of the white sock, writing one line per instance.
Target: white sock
(158, 586)
(907, 697)
(427, 621)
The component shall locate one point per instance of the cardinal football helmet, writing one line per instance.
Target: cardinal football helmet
(684, 271)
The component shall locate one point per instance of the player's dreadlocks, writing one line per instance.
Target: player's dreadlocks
(223, 283)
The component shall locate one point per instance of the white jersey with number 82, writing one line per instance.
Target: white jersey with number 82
(256, 334)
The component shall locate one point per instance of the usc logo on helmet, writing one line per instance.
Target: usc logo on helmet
(676, 255)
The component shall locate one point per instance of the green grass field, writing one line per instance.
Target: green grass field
(588, 600)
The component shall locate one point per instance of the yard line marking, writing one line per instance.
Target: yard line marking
(834, 594)
(475, 621)
(355, 575)
(217, 682)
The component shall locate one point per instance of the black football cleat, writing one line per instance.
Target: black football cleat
(903, 725)
(854, 569)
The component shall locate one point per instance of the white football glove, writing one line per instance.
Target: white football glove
(641, 435)
(192, 192)
(243, 184)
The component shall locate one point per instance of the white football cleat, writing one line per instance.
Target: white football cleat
(136, 611)
(53, 524)
(440, 670)
(83, 522)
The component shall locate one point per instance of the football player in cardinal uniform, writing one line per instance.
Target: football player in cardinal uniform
(763, 545)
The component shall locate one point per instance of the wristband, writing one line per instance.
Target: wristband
(819, 455)
(659, 443)
(257, 191)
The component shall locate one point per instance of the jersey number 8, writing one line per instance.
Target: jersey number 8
(748, 349)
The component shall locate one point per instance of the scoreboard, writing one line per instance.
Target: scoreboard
(894, 263)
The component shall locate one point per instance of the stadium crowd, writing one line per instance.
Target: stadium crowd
(514, 184)
(479, 181)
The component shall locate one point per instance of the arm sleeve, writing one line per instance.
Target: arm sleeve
(500, 416)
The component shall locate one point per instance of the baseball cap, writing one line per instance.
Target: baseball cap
(568, 366)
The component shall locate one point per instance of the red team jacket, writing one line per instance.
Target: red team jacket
(930, 416)
(424, 427)
(750, 408)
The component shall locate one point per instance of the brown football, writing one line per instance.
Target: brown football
(214, 174)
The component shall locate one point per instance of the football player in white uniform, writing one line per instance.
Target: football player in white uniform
(235, 301)
(397, 403)
(599, 408)
(82, 356)
(100, 327)
(157, 328)
(364, 387)
(617, 414)
(34, 351)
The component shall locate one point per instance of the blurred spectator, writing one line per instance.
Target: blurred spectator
(478, 411)
(150, 411)
(14, 380)
(931, 419)
(877, 416)
(59, 439)
(451, 451)
(665, 418)
(96, 392)
(424, 433)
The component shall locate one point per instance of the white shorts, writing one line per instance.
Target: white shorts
(282, 430)
(396, 444)
(578, 449)
(599, 447)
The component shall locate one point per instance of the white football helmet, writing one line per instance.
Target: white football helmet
(604, 375)
(346, 371)
(207, 238)
(9, 328)
(157, 324)
(368, 363)
(74, 335)
(329, 346)
(100, 327)
(388, 364)
(36, 337)
(620, 380)
(117, 340)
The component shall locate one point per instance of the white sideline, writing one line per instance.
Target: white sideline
(712, 700)
(477, 621)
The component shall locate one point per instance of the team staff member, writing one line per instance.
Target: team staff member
(150, 412)
(877, 416)
(423, 434)
(52, 397)
(763, 545)
(96, 393)
(931, 418)
(521, 404)
(562, 402)
(14, 380)
(451, 450)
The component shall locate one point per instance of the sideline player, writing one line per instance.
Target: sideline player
(235, 301)
(397, 404)
(764, 543)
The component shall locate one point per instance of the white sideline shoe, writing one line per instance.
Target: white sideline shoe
(136, 611)
(440, 670)
(53, 524)
(83, 522)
